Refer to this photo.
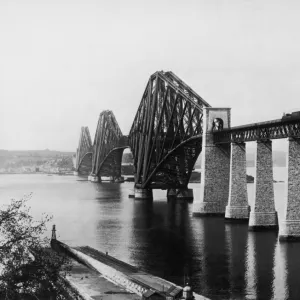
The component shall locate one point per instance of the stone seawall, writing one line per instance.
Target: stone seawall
(135, 282)
(73, 292)
(108, 272)
(112, 274)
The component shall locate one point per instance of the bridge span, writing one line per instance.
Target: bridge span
(165, 137)
(172, 126)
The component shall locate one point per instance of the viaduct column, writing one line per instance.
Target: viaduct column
(238, 208)
(290, 226)
(214, 188)
(263, 214)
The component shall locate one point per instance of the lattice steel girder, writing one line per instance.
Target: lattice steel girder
(108, 137)
(84, 146)
(174, 171)
(112, 163)
(170, 113)
(275, 129)
(85, 166)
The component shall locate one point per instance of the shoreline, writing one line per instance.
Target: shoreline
(129, 178)
(37, 173)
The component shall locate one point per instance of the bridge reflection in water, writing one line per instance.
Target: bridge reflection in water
(260, 264)
(236, 242)
(224, 261)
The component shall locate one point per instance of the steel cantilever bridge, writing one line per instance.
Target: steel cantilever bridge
(169, 130)
(165, 137)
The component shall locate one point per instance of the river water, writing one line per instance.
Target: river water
(223, 261)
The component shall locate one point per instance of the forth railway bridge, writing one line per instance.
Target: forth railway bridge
(172, 126)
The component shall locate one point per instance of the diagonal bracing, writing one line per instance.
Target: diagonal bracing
(166, 134)
(84, 151)
(108, 147)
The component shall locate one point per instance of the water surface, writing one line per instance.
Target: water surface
(224, 261)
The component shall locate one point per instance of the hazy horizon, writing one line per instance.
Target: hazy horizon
(63, 62)
(250, 150)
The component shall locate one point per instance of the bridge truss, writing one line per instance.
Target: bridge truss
(83, 162)
(275, 129)
(166, 134)
(109, 144)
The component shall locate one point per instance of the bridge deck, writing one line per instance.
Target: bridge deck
(273, 129)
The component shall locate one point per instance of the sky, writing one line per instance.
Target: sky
(64, 61)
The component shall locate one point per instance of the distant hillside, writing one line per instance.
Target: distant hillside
(279, 159)
(26, 153)
(18, 158)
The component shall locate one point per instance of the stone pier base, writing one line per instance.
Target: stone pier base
(75, 173)
(290, 225)
(237, 208)
(185, 194)
(143, 194)
(263, 215)
(263, 221)
(208, 209)
(289, 230)
(94, 178)
(237, 213)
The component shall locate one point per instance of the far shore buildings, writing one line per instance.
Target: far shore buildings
(52, 166)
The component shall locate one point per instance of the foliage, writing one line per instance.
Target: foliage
(29, 269)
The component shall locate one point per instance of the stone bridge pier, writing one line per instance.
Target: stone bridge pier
(290, 226)
(223, 188)
(237, 207)
(215, 164)
(263, 214)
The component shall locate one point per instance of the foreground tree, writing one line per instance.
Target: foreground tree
(29, 269)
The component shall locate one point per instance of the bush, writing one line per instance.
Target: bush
(29, 269)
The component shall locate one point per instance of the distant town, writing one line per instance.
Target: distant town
(41, 161)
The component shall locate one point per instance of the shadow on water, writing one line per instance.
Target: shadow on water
(236, 244)
(260, 264)
(291, 268)
(211, 278)
(237, 264)
(161, 234)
